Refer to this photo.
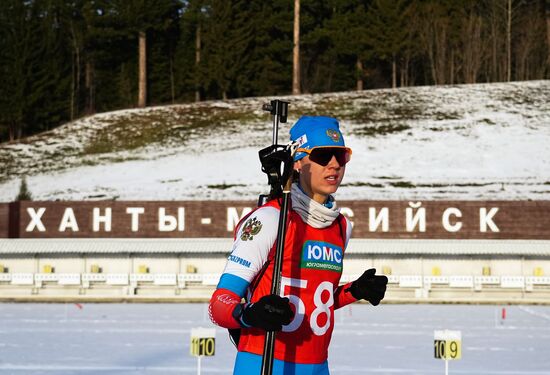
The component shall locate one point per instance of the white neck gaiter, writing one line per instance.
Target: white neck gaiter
(312, 212)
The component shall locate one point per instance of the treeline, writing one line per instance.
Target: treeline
(64, 59)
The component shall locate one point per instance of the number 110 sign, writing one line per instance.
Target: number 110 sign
(203, 342)
(447, 344)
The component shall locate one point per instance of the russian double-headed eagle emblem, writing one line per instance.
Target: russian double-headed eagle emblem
(251, 228)
(333, 134)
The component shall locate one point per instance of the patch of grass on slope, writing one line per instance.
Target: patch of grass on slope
(162, 127)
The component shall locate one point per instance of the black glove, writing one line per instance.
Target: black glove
(369, 287)
(271, 312)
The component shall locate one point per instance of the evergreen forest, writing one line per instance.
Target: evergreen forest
(64, 59)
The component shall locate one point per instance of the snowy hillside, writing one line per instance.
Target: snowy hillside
(485, 141)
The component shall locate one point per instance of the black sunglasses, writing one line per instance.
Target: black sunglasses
(323, 155)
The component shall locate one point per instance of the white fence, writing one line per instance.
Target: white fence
(211, 280)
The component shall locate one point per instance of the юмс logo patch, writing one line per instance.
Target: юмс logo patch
(322, 256)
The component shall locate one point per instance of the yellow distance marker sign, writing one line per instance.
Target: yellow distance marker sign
(448, 345)
(203, 342)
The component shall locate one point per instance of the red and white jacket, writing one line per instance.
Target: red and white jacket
(312, 267)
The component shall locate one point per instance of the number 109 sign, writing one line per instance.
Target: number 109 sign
(447, 345)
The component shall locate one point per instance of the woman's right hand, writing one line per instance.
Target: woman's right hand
(271, 313)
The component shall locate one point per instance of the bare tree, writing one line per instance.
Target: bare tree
(472, 47)
(197, 60)
(547, 11)
(410, 50)
(360, 74)
(296, 50)
(509, 41)
(529, 49)
(496, 30)
(142, 95)
(510, 15)
(90, 86)
(75, 67)
(433, 35)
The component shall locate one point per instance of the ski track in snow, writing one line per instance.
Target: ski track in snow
(150, 339)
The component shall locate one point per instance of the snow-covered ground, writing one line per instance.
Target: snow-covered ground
(152, 339)
(484, 141)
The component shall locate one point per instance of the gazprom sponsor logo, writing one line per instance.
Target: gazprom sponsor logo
(239, 260)
(322, 255)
